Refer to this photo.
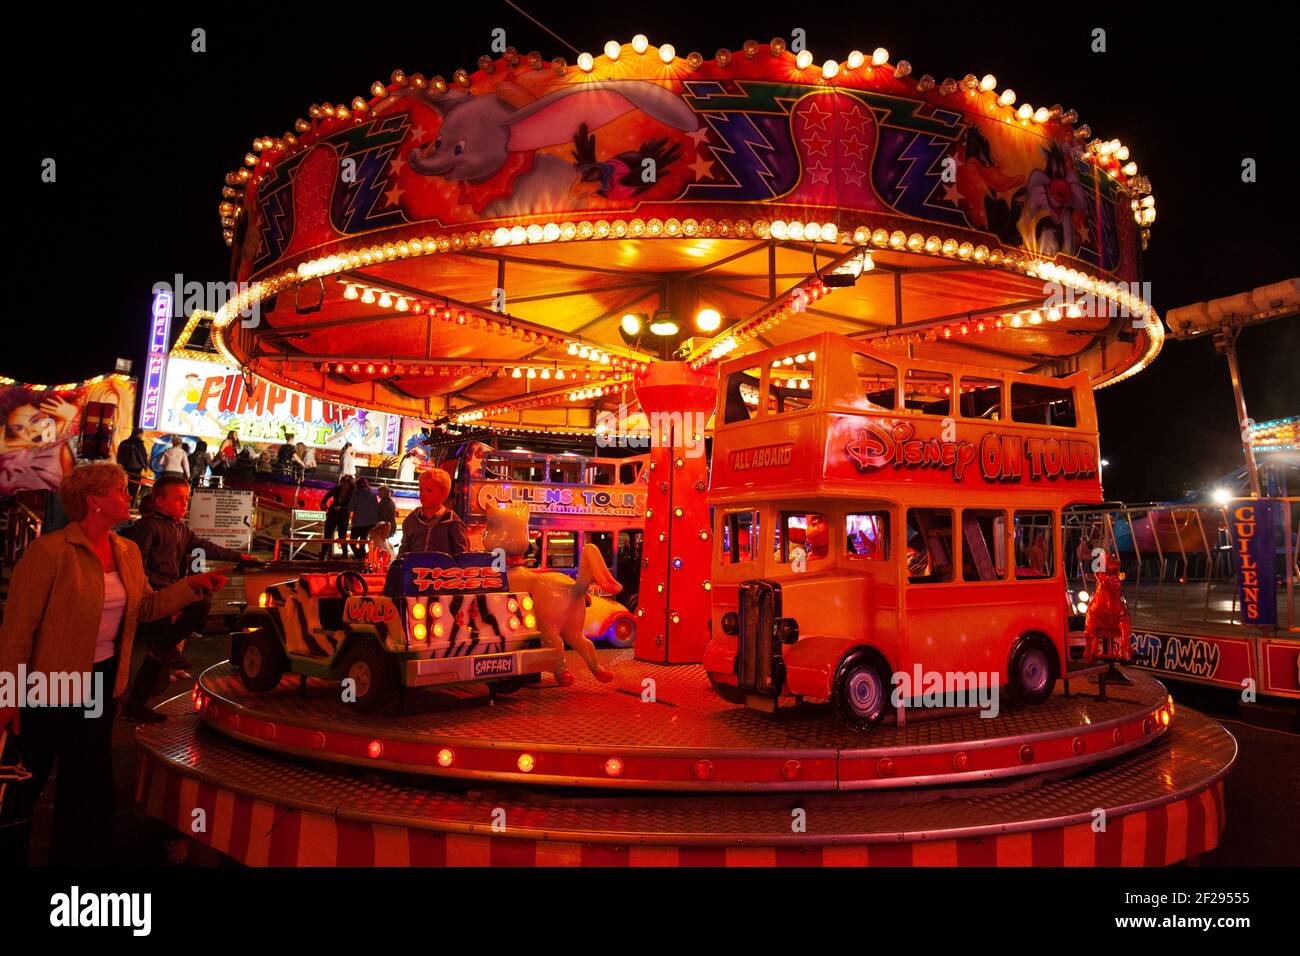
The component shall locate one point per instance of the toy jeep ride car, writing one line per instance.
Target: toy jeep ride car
(433, 620)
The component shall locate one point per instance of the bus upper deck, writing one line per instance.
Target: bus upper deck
(834, 416)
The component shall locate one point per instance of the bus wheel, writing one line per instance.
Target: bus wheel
(860, 691)
(728, 692)
(1032, 671)
(374, 676)
(261, 661)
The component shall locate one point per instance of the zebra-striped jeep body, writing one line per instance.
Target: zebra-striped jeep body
(433, 620)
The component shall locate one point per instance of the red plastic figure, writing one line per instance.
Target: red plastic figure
(1107, 626)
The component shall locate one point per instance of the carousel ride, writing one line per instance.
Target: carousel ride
(539, 247)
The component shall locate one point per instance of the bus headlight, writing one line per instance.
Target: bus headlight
(787, 630)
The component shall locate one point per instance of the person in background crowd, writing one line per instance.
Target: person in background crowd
(387, 509)
(230, 448)
(406, 468)
(365, 515)
(284, 457)
(307, 455)
(175, 461)
(200, 459)
(380, 555)
(169, 548)
(75, 600)
(337, 503)
(348, 461)
(134, 459)
(265, 462)
(433, 526)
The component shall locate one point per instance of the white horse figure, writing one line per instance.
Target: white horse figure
(559, 601)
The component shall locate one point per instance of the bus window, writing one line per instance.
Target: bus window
(789, 384)
(1042, 404)
(628, 474)
(742, 395)
(566, 472)
(877, 380)
(604, 541)
(866, 535)
(561, 549)
(740, 537)
(929, 545)
(983, 545)
(1034, 533)
(527, 471)
(533, 556)
(981, 398)
(803, 531)
(929, 393)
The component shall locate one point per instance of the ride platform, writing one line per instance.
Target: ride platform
(272, 794)
(660, 727)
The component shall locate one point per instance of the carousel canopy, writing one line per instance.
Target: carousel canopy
(518, 244)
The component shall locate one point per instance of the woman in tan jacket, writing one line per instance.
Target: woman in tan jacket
(75, 599)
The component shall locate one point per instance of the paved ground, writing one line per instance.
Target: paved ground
(1262, 792)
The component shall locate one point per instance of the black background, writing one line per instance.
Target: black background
(143, 131)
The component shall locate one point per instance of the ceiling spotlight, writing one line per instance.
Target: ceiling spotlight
(664, 324)
(708, 320)
(631, 323)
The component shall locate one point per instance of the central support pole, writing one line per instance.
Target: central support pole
(675, 597)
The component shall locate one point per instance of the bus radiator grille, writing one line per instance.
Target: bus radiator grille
(759, 665)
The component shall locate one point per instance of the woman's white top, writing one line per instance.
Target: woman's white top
(110, 622)
(348, 463)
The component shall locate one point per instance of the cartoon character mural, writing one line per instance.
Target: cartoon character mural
(41, 429)
(1056, 205)
(524, 141)
(490, 144)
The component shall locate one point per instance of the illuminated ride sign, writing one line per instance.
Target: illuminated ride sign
(581, 500)
(1001, 457)
(925, 452)
(1254, 554)
(208, 400)
(151, 399)
(434, 573)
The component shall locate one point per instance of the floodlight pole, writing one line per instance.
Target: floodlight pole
(1225, 342)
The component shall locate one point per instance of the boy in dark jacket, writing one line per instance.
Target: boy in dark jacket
(432, 526)
(170, 550)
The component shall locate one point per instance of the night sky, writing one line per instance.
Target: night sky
(143, 130)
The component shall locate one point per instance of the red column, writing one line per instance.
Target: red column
(674, 602)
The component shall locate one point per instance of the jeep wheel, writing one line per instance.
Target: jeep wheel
(261, 661)
(374, 676)
(622, 633)
(860, 691)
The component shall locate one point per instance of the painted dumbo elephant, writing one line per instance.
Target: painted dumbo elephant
(487, 143)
